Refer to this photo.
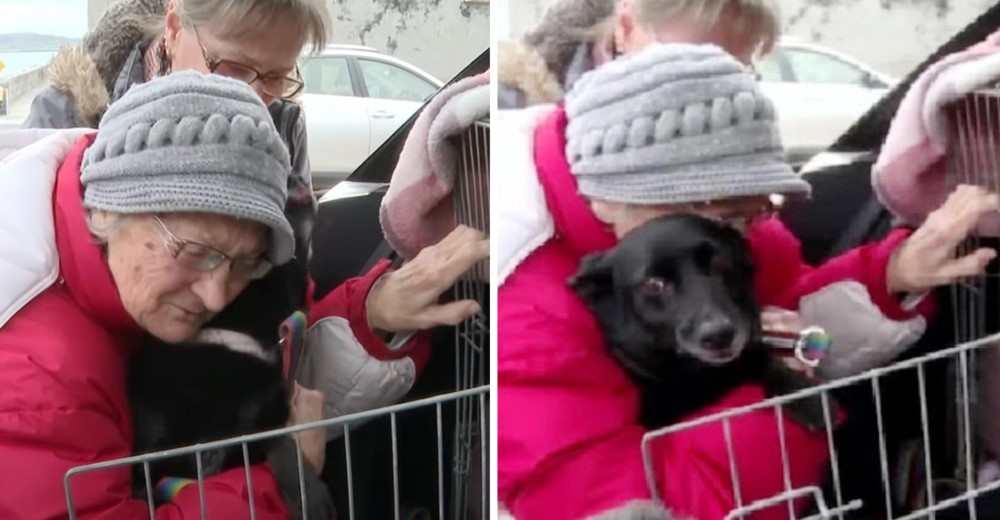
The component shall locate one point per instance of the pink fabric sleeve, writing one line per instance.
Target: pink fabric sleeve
(783, 277)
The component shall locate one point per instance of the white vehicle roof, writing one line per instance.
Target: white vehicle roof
(792, 42)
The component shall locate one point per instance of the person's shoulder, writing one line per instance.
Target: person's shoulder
(57, 350)
(539, 287)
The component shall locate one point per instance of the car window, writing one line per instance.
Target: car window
(387, 81)
(770, 69)
(328, 75)
(816, 67)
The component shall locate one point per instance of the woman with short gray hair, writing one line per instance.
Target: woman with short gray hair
(151, 225)
(367, 322)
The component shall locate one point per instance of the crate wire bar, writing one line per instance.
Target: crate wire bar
(471, 197)
(479, 394)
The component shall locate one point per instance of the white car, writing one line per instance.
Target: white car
(818, 93)
(354, 98)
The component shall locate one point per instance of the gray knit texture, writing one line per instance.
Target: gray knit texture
(675, 123)
(192, 142)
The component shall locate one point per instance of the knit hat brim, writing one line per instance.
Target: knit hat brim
(680, 187)
(184, 192)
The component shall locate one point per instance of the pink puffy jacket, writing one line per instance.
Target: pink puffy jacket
(568, 437)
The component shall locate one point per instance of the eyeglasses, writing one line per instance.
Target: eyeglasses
(738, 218)
(202, 258)
(274, 85)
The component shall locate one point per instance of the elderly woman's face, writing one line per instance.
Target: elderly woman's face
(166, 297)
(272, 51)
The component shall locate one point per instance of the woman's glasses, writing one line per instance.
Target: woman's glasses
(273, 85)
(202, 258)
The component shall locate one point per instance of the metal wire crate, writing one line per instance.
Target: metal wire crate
(973, 157)
(435, 404)
(471, 197)
(837, 503)
(462, 487)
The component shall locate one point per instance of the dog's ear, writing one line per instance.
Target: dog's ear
(594, 277)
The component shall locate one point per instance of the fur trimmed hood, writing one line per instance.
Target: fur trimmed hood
(520, 66)
(73, 71)
(87, 72)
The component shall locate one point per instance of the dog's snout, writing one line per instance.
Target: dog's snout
(716, 334)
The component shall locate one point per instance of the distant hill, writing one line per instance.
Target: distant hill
(33, 42)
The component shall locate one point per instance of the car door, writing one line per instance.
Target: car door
(339, 130)
(394, 94)
(824, 96)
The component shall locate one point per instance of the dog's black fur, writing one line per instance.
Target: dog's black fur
(675, 299)
(183, 394)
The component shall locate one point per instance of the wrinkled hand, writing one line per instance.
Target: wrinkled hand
(775, 320)
(307, 406)
(407, 299)
(927, 259)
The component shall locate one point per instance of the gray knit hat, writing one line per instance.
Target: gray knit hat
(192, 142)
(675, 123)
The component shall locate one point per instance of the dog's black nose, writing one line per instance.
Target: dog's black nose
(716, 334)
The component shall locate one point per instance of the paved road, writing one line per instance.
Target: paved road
(19, 109)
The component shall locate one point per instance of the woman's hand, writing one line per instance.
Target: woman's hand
(406, 299)
(780, 321)
(307, 406)
(927, 259)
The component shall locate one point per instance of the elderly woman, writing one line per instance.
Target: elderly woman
(365, 325)
(151, 225)
(672, 128)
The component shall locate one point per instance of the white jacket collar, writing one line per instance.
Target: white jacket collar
(29, 261)
(520, 222)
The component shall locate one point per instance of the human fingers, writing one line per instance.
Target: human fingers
(972, 264)
(455, 238)
(960, 213)
(780, 320)
(470, 253)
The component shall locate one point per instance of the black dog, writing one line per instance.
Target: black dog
(675, 299)
(223, 384)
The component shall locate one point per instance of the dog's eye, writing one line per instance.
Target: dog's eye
(654, 286)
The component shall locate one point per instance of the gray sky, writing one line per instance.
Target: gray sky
(58, 17)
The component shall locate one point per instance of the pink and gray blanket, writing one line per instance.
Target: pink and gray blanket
(417, 210)
(909, 176)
